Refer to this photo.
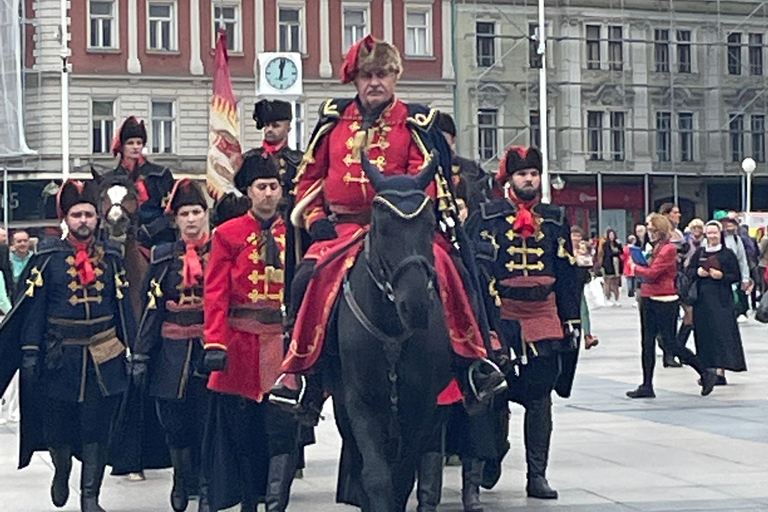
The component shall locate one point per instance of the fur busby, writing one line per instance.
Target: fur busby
(517, 158)
(370, 55)
(255, 167)
(130, 128)
(185, 193)
(229, 207)
(269, 111)
(446, 124)
(74, 192)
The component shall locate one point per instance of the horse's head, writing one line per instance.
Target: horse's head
(119, 203)
(399, 249)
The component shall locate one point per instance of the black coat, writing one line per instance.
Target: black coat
(718, 341)
(173, 361)
(478, 181)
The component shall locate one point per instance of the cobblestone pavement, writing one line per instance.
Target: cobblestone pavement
(679, 452)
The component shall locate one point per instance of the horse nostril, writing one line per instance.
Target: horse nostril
(114, 214)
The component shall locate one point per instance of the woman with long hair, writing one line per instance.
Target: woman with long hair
(609, 263)
(659, 310)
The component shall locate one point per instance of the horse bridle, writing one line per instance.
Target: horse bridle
(385, 279)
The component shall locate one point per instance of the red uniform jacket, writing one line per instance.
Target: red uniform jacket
(243, 305)
(331, 175)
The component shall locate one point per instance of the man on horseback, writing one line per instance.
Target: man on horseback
(333, 202)
(153, 181)
(68, 333)
(524, 251)
(250, 449)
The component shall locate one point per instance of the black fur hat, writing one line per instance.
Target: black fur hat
(269, 111)
(446, 124)
(517, 158)
(186, 193)
(255, 167)
(74, 192)
(229, 207)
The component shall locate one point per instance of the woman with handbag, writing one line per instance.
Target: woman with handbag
(714, 269)
(659, 310)
(609, 261)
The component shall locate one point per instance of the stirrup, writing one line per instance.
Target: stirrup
(483, 395)
(287, 401)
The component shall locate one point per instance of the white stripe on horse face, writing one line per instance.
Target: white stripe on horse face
(116, 195)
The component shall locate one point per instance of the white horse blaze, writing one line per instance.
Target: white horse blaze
(116, 195)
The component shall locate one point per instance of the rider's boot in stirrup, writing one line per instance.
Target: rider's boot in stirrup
(301, 395)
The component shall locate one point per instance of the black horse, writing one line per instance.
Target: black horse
(394, 353)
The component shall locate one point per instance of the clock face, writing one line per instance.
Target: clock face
(281, 73)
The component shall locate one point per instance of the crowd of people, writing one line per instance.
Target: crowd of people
(229, 340)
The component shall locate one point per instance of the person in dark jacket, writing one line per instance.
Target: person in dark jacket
(659, 308)
(609, 264)
(153, 181)
(168, 353)
(715, 269)
(478, 182)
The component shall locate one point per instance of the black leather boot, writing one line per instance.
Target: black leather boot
(282, 469)
(62, 461)
(181, 458)
(93, 457)
(430, 484)
(471, 476)
(538, 432)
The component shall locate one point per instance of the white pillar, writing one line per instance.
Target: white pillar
(259, 33)
(446, 14)
(388, 32)
(546, 193)
(64, 34)
(195, 62)
(134, 65)
(326, 70)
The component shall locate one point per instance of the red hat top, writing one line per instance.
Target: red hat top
(517, 158)
(370, 54)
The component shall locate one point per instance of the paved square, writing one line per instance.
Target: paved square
(679, 452)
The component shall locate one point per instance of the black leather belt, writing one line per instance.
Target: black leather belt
(526, 293)
(68, 328)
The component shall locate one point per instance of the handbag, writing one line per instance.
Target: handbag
(687, 290)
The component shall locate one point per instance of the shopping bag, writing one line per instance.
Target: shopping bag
(593, 292)
(761, 313)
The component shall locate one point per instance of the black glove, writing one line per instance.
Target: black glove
(29, 366)
(572, 336)
(322, 230)
(214, 360)
(139, 368)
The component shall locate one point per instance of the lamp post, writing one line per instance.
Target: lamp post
(748, 165)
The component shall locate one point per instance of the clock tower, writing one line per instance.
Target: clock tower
(281, 78)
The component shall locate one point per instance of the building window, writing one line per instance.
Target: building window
(102, 25)
(103, 126)
(684, 51)
(593, 46)
(618, 127)
(355, 25)
(298, 125)
(162, 127)
(485, 42)
(534, 121)
(734, 54)
(488, 133)
(227, 17)
(663, 136)
(418, 33)
(616, 48)
(758, 137)
(289, 28)
(685, 129)
(756, 54)
(534, 59)
(162, 26)
(736, 129)
(661, 50)
(595, 135)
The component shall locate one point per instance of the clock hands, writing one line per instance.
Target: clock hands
(282, 68)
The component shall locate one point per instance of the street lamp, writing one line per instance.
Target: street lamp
(748, 165)
(558, 183)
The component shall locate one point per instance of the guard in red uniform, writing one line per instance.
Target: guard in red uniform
(333, 202)
(245, 460)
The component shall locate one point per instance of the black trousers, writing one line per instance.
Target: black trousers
(659, 318)
(78, 423)
(183, 420)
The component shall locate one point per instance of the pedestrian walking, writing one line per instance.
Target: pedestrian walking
(714, 269)
(659, 308)
(584, 263)
(695, 239)
(733, 241)
(629, 266)
(609, 264)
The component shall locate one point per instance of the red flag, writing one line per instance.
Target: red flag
(224, 152)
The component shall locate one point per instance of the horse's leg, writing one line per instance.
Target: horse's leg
(368, 426)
